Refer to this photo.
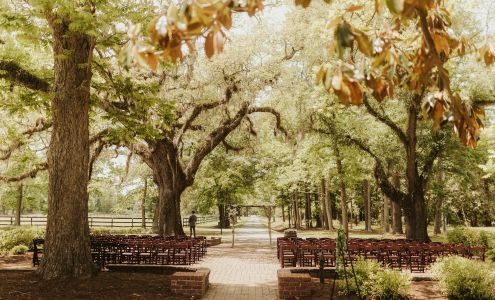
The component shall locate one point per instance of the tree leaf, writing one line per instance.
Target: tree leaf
(354, 8)
(363, 42)
(395, 6)
(209, 45)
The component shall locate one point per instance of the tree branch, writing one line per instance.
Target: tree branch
(272, 111)
(385, 120)
(13, 72)
(41, 125)
(30, 174)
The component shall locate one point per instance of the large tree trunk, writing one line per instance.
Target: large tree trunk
(18, 207)
(396, 210)
(67, 246)
(343, 194)
(367, 204)
(307, 208)
(329, 200)
(171, 183)
(415, 210)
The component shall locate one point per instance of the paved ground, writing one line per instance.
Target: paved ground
(247, 271)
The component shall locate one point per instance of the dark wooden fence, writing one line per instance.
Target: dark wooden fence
(98, 221)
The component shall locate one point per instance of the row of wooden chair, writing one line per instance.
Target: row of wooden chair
(134, 249)
(397, 254)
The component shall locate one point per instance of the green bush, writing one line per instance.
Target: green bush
(364, 270)
(469, 237)
(15, 236)
(490, 255)
(461, 278)
(19, 249)
(375, 282)
(388, 284)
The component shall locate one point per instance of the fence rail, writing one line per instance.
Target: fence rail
(200, 220)
(98, 221)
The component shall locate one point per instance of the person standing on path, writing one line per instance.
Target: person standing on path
(192, 224)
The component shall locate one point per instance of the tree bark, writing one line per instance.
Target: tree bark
(438, 207)
(324, 209)
(307, 210)
(396, 210)
(329, 206)
(143, 203)
(67, 251)
(386, 224)
(343, 194)
(171, 182)
(367, 204)
(18, 208)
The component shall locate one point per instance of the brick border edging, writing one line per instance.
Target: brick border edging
(190, 283)
(293, 285)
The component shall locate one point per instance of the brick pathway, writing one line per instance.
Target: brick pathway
(248, 271)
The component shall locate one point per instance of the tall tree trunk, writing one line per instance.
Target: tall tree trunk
(283, 210)
(329, 206)
(289, 209)
(437, 228)
(297, 212)
(319, 211)
(143, 203)
(324, 200)
(396, 210)
(343, 194)
(67, 252)
(154, 227)
(171, 183)
(18, 207)
(415, 210)
(307, 215)
(386, 224)
(367, 204)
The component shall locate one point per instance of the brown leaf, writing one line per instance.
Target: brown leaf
(226, 18)
(441, 43)
(354, 8)
(152, 60)
(209, 45)
(363, 42)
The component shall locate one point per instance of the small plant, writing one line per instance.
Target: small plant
(364, 271)
(19, 249)
(15, 236)
(461, 278)
(469, 237)
(388, 285)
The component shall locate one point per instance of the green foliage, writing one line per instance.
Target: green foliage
(364, 271)
(375, 282)
(461, 278)
(19, 249)
(15, 236)
(388, 284)
(490, 255)
(470, 237)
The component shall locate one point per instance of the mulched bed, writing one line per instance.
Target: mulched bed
(106, 285)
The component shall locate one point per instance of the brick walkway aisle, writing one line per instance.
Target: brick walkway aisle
(246, 272)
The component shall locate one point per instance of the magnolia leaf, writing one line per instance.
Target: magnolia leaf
(320, 76)
(303, 3)
(356, 95)
(354, 8)
(441, 43)
(209, 45)
(363, 42)
(226, 18)
(152, 61)
(337, 81)
(395, 6)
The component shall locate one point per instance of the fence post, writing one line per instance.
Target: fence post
(31, 221)
(111, 224)
(91, 222)
(11, 220)
(132, 222)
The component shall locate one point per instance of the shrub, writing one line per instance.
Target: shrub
(469, 237)
(364, 270)
(19, 249)
(15, 236)
(490, 254)
(388, 284)
(461, 278)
